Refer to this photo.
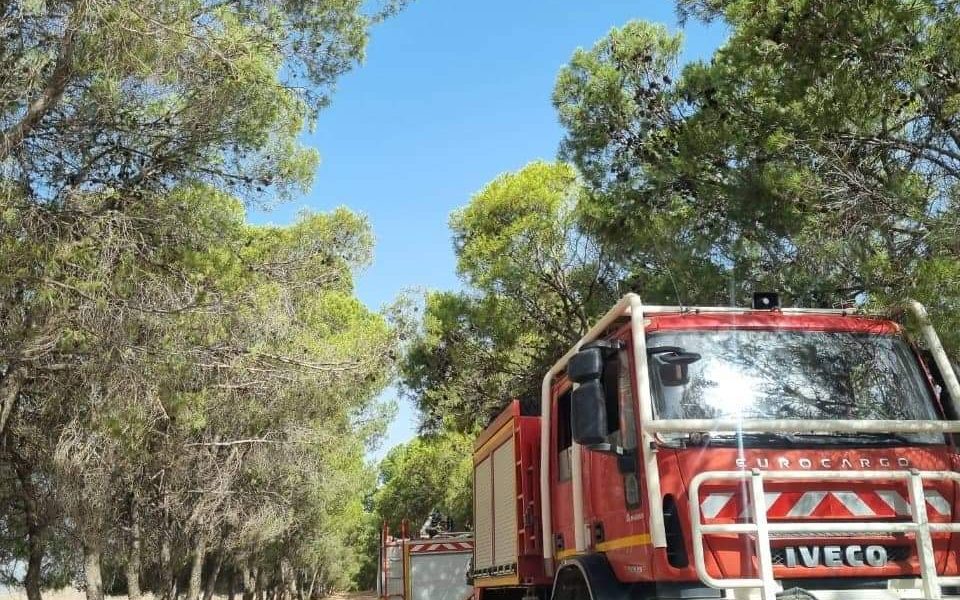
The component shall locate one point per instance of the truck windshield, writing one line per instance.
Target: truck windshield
(785, 374)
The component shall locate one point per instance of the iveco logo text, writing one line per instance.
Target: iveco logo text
(822, 463)
(836, 556)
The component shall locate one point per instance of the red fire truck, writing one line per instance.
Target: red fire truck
(764, 453)
(430, 567)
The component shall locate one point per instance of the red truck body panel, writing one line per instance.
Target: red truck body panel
(525, 568)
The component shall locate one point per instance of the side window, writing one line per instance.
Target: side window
(628, 427)
(611, 389)
(628, 411)
(564, 437)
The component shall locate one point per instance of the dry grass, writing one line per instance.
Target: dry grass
(64, 594)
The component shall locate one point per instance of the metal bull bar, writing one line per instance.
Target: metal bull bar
(761, 528)
(919, 526)
(651, 428)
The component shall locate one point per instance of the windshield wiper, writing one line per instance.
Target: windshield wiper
(862, 437)
(800, 439)
(727, 439)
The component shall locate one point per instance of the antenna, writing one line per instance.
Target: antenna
(673, 281)
(676, 288)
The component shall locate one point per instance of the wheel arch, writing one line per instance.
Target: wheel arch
(597, 575)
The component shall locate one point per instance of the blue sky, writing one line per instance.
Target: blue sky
(452, 94)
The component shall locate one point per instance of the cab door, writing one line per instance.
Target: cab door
(612, 482)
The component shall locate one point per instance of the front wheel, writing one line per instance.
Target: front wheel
(570, 585)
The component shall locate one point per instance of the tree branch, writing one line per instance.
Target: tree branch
(234, 442)
(9, 390)
(52, 92)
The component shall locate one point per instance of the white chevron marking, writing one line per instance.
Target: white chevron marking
(807, 503)
(768, 498)
(938, 502)
(714, 503)
(896, 502)
(852, 502)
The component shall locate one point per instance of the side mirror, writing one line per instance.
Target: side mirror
(585, 365)
(589, 400)
(674, 367)
(674, 376)
(589, 418)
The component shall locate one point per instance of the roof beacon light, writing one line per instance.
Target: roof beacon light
(766, 301)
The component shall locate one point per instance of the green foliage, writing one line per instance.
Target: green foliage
(516, 218)
(471, 355)
(162, 361)
(429, 473)
(537, 280)
(226, 356)
(815, 153)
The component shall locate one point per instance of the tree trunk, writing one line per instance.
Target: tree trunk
(246, 580)
(53, 91)
(196, 569)
(301, 585)
(283, 590)
(321, 589)
(133, 560)
(290, 581)
(211, 586)
(313, 584)
(34, 563)
(91, 573)
(36, 530)
(258, 585)
(232, 585)
(168, 577)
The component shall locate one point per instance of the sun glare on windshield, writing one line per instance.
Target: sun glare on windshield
(751, 374)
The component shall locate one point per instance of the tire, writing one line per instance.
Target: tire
(570, 585)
